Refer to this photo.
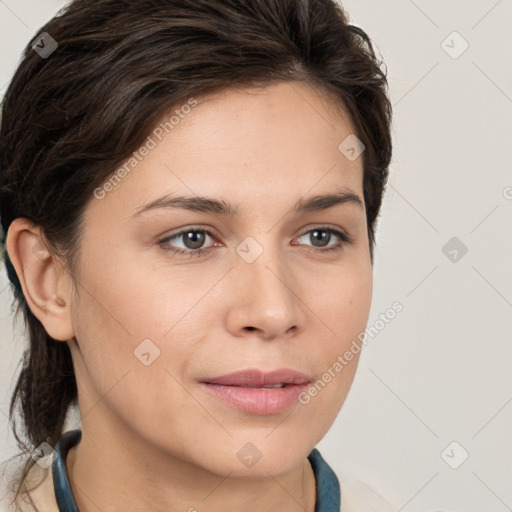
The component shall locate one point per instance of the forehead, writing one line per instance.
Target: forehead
(278, 142)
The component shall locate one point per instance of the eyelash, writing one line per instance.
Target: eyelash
(344, 237)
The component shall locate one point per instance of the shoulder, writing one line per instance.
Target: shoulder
(356, 496)
(37, 494)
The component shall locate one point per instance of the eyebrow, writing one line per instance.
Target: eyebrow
(221, 207)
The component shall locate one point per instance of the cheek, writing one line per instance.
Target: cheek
(353, 305)
(125, 366)
(341, 307)
(137, 300)
(340, 299)
(128, 315)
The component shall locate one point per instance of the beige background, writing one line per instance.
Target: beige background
(441, 370)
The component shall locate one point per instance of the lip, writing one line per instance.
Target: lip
(257, 378)
(244, 389)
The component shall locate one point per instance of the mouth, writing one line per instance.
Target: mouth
(256, 392)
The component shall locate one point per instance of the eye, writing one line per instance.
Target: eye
(323, 235)
(194, 239)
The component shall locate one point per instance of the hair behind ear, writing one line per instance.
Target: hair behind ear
(45, 389)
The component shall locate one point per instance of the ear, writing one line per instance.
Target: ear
(46, 285)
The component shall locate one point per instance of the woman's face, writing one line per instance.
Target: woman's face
(151, 325)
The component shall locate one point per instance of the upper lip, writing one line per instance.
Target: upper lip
(256, 378)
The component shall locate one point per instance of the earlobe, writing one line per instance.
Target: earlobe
(44, 282)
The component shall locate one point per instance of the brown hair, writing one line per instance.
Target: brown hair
(68, 120)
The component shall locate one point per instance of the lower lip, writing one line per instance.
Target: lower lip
(257, 400)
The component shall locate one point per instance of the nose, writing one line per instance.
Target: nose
(266, 296)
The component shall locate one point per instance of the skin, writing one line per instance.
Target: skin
(152, 439)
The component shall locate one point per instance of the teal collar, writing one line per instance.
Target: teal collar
(63, 494)
(327, 484)
(328, 497)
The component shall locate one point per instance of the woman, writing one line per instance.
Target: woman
(205, 368)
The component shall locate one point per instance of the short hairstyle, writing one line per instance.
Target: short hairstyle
(70, 119)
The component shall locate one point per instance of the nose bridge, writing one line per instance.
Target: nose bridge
(262, 260)
(267, 280)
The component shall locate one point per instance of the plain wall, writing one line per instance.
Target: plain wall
(440, 371)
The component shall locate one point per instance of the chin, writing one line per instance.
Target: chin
(258, 459)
